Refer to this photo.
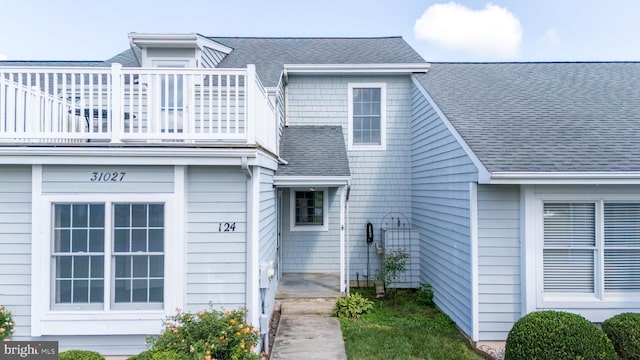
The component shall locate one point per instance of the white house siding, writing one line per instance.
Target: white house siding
(268, 234)
(441, 173)
(380, 180)
(498, 260)
(15, 245)
(216, 259)
(311, 251)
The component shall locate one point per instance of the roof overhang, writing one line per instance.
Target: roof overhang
(351, 69)
(568, 178)
(300, 181)
(189, 40)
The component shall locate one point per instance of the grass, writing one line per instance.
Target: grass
(406, 330)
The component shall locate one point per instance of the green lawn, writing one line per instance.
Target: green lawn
(403, 331)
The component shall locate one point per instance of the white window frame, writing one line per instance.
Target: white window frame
(105, 321)
(596, 306)
(325, 211)
(383, 116)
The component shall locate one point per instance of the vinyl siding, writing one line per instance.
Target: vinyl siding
(380, 180)
(268, 232)
(498, 260)
(441, 173)
(15, 245)
(216, 260)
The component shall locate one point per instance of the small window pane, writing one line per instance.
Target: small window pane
(64, 267)
(156, 290)
(139, 240)
(80, 267)
(156, 266)
(97, 267)
(96, 291)
(62, 216)
(79, 215)
(96, 216)
(80, 291)
(121, 240)
(63, 293)
(122, 215)
(156, 240)
(139, 215)
(79, 240)
(156, 215)
(139, 290)
(62, 240)
(122, 291)
(123, 266)
(140, 266)
(96, 240)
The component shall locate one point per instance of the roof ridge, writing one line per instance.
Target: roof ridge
(535, 62)
(305, 37)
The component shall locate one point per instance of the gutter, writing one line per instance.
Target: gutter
(564, 178)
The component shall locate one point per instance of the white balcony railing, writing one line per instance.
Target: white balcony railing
(132, 105)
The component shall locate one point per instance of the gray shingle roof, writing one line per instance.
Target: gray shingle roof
(313, 151)
(269, 54)
(543, 117)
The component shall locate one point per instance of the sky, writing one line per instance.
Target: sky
(462, 30)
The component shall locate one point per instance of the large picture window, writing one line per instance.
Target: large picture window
(128, 249)
(591, 247)
(367, 116)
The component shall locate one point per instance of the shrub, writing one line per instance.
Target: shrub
(556, 335)
(222, 334)
(352, 306)
(6, 324)
(424, 295)
(161, 355)
(624, 332)
(80, 355)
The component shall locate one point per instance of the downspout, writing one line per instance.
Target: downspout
(346, 231)
(252, 249)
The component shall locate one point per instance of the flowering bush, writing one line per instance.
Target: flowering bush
(208, 334)
(6, 324)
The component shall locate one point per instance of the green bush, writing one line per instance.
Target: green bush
(352, 306)
(557, 335)
(424, 295)
(80, 355)
(624, 332)
(6, 323)
(222, 334)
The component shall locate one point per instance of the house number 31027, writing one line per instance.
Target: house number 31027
(107, 176)
(226, 227)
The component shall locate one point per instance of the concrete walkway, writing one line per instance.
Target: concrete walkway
(308, 337)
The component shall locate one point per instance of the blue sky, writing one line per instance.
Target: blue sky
(463, 30)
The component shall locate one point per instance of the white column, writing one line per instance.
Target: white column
(343, 252)
(250, 98)
(116, 103)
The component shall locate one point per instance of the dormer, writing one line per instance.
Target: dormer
(178, 50)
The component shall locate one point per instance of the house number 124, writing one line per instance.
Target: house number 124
(226, 227)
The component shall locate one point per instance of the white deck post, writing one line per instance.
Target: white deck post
(343, 261)
(250, 97)
(117, 116)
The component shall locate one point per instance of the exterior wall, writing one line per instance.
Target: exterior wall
(311, 251)
(15, 245)
(498, 260)
(381, 180)
(441, 173)
(268, 236)
(216, 259)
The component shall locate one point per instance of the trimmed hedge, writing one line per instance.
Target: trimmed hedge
(80, 355)
(624, 332)
(557, 335)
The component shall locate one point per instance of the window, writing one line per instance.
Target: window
(133, 257)
(367, 116)
(309, 210)
(591, 247)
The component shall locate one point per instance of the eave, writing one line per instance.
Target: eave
(567, 178)
(359, 69)
(295, 181)
(189, 40)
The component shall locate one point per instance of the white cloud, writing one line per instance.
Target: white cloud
(3, 57)
(493, 32)
(550, 39)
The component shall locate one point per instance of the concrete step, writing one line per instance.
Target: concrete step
(308, 306)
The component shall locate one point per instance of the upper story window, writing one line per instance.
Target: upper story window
(367, 116)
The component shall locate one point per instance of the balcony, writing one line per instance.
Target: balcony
(64, 105)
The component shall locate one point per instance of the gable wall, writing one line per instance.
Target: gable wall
(441, 174)
(381, 180)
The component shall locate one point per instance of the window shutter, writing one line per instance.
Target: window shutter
(569, 246)
(622, 247)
